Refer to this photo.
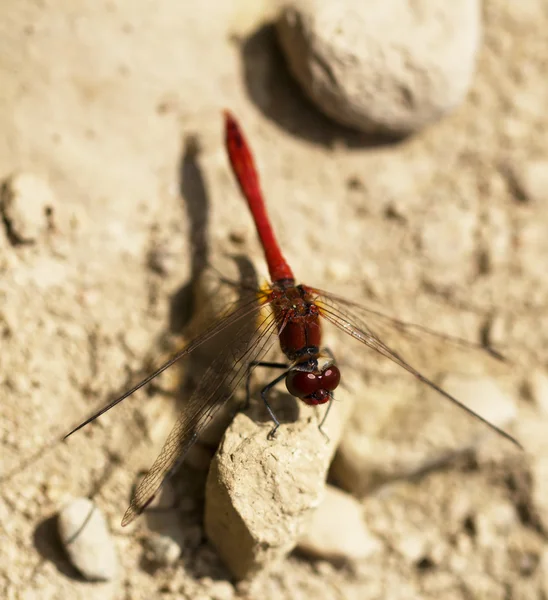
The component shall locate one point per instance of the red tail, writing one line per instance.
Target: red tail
(243, 166)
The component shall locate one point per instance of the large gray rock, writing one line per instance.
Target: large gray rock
(383, 66)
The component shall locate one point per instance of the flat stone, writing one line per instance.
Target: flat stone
(337, 530)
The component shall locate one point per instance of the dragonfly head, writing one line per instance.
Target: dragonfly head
(313, 387)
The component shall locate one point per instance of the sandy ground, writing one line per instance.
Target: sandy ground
(99, 100)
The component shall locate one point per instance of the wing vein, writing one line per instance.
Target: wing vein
(352, 324)
(214, 389)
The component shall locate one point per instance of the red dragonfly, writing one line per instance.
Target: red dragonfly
(294, 318)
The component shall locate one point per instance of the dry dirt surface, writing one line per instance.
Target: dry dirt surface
(116, 192)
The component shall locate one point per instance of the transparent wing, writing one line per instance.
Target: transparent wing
(214, 389)
(411, 331)
(228, 318)
(404, 344)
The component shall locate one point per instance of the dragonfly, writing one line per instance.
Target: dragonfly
(285, 311)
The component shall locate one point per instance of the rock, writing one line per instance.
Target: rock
(26, 204)
(543, 570)
(405, 439)
(539, 493)
(530, 246)
(87, 541)
(413, 546)
(384, 66)
(260, 493)
(496, 330)
(537, 388)
(497, 518)
(162, 550)
(221, 590)
(3, 240)
(496, 231)
(337, 531)
(528, 179)
(247, 15)
(531, 487)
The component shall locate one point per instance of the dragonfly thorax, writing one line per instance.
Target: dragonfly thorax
(298, 320)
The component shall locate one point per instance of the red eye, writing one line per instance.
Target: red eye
(331, 378)
(301, 384)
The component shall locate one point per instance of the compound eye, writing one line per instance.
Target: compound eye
(301, 384)
(330, 378)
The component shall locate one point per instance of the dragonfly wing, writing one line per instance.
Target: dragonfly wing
(396, 340)
(411, 331)
(227, 320)
(212, 392)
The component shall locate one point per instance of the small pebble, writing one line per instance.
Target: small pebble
(529, 180)
(412, 547)
(162, 550)
(221, 590)
(537, 388)
(496, 330)
(162, 260)
(496, 232)
(337, 530)
(238, 236)
(27, 204)
(85, 536)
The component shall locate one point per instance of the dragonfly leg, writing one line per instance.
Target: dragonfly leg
(264, 394)
(322, 422)
(326, 350)
(250, 367)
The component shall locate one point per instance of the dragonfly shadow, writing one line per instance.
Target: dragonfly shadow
(48, 544)
(198, 364)
(193, 191)
(195, 197)
(274, 91)
(202, 300)
(286, 407)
